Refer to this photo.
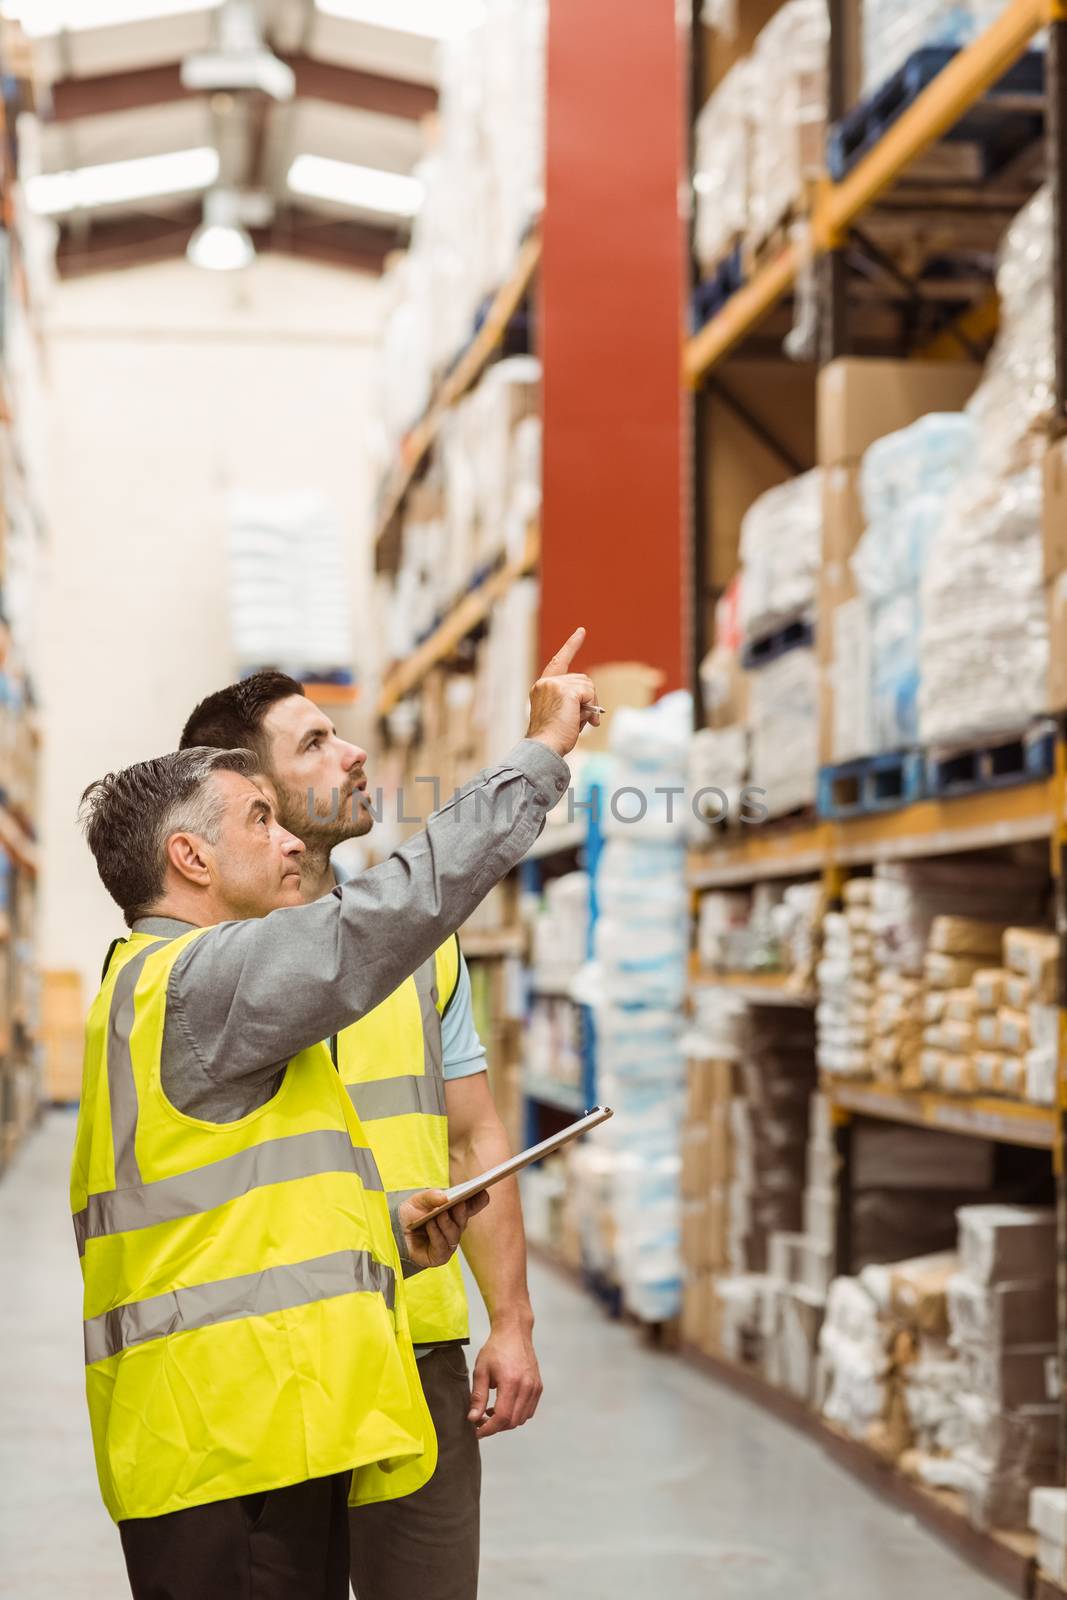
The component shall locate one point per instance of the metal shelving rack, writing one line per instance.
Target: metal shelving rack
(1034, 811)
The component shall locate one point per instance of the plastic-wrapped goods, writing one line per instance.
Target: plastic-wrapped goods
(856, 1364)
(288, 585)
(985, 629)
(894, 29)
(905, 479)
(984, 642)
(1014, 399)
(851, 676)
(483, 184)
(845, 975)
(717, 772)
(560, 934)
(650, 747)
(641, 949)
(789, 106)
(508, 666)
(723, 160)
(781, 544)
(784, 727)
(722, 682)
(907, 896)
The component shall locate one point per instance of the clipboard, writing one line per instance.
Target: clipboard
(506, 1169)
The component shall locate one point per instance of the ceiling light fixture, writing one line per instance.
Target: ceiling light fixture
(42, 19)
(362, 188)
(433, 19)
(53, 194)
(220, 243)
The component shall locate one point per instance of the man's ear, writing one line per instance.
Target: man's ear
(187, 854)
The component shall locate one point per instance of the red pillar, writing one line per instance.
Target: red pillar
(612, 289)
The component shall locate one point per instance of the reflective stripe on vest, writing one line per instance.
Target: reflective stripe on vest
(253, 1295)
(301, 1155)
(245, 1323)
(391, 1063)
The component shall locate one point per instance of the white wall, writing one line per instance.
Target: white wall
(168, 387)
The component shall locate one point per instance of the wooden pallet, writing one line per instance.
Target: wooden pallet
(1001, 763)
(871, 784)
(1007, 119)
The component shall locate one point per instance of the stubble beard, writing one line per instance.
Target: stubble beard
(323, 828)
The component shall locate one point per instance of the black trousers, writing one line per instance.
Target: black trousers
(286, 1544)
(425, 1546)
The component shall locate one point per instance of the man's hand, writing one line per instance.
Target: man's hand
(506, 1363)
(562, 702)
(435, 1243)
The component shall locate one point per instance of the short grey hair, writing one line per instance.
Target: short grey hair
(128, 817)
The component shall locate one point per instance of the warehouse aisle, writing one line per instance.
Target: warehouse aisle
(639, 1477)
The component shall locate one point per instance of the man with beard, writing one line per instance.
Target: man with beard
(415, 1070)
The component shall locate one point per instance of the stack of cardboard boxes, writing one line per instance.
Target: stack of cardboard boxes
(707, 1168)
(998, 1035)
(1048, 1519)
(846, 976)
(1002, 1313)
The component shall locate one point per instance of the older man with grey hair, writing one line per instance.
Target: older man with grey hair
(248, 1361)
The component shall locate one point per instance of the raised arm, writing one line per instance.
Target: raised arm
(253, 993)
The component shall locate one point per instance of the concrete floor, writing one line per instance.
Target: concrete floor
(638, 1477)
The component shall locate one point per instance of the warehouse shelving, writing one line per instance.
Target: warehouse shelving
(1003, 1121)
(461, 377)
(958, 87)
(748, 327)
(762, 988)
(466, 615)
(994, 818)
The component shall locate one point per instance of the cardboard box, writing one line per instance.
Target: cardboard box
(1007, 1244)
(1014, 1031)
(1002, 1316)
(619, 684)
(860, 400)
(1054, 520)
(695, 1239)
(988, 987)
(63, 1034)
(720, 1146)
(1024, 1376)
(836, 585)
(709, 1083)
(696, 1146)
(696, 1299)
(842, 510)
(1034, 953)
(892, 1157)
(919, 1291)
(1056, 593)
(826, 715)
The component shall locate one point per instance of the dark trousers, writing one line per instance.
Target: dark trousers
(286, 1544)
(425, 1547)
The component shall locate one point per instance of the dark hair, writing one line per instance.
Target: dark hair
(128, 817)
(232, 718)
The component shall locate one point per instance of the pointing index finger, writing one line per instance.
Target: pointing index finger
(562, 659)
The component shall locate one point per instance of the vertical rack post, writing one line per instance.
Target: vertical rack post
(612, 287)
(1056, 176)
(696, 564)
(831, 268)
(1059, 840)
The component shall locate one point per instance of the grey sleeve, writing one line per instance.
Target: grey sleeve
(247, 996)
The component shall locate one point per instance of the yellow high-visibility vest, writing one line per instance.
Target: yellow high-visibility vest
(245, 1322)
(390, 1061)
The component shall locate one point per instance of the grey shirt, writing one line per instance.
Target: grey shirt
(247, 996)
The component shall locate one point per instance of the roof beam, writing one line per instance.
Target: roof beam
(134, 240)
(315, 80)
